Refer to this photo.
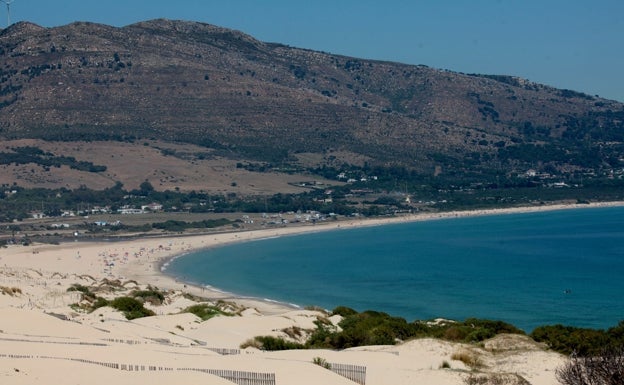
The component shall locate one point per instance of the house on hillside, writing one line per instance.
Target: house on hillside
(37, 214)
(59, 225)
(152, 207)
(128, 210)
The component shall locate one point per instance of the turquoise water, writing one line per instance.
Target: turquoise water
(527, 269)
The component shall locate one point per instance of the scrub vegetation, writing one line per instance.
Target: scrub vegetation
(378, 328)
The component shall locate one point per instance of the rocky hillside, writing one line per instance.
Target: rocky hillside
(190, 82)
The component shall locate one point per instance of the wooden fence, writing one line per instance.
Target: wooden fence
(238, 377)
(235, 376)
(354, 373)
(224, 351)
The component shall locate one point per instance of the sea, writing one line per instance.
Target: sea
(528, 269)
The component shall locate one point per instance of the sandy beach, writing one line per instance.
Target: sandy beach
(43, 337)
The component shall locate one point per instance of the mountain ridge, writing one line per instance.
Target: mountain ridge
(191, 82)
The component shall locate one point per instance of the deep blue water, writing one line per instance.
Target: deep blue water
(527, 269)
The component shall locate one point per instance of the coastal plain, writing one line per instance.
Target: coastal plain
(43, 333)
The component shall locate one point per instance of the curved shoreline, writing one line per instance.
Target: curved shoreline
(212, 290)
(269, 306)
(44, 335)
(141, 259)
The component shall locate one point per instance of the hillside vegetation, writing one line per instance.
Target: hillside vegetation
(221, 89)
(213, 119)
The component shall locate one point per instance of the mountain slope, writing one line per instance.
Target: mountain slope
(219, 88)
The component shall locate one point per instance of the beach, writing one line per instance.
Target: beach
(44, 336)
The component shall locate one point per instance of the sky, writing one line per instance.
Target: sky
(570, 44)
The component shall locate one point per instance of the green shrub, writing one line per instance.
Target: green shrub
(321, 337)
(321, 362)
(81, 288)
(358, 329)
(470, 330)
(271, 343)
(98, 303)
(78, 287)
(205, 311)
(492, 327)
(151, 295)
(476, 330)
(376, 328)
(568, 339)
(343, 311)
(131, 307)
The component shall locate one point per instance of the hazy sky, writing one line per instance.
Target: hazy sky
(573, 44)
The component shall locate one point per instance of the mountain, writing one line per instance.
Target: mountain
(220, 89)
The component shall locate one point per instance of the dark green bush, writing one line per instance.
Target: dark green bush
(470, 330)
(569, 339)
(79, 287)
(151, 295)
(358, 329)
(98, 303)
(343, 311)
(376, 328)
(131, 307)
(205, 311)
(321, 338)
(274, 343)
(476, 330)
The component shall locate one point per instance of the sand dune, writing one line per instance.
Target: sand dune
(44, 339)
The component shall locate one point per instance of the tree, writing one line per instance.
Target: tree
(146, 187)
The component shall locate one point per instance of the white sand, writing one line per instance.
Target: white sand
(36, 346)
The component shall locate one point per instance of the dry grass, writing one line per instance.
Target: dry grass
(494, 379)
(251, 343)
(11, 291)
(470, 359)
(317, 309)
(185, 172)
(293, 332)
(512, 343)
